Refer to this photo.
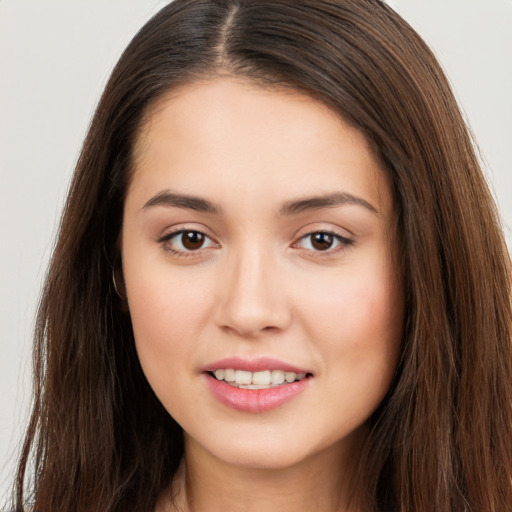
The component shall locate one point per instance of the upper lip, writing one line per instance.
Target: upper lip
(253, 365)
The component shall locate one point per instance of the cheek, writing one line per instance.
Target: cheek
(359, 303)
(168, 312)
(358, 320)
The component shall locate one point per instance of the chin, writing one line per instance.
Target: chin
(263, 452)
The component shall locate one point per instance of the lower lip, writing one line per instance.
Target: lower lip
(255, 400)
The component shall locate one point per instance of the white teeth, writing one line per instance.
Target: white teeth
(277, 376)
(229, 375)
(256, 380)
(289, 376)
(243, 377)
(262, 377)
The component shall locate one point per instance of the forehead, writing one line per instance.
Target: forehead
(235, 133)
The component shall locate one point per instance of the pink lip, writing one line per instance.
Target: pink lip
(254, 400)
(253, 365)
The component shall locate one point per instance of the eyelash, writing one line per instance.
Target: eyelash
(343, 243)
(165, 239)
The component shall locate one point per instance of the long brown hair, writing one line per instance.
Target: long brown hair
(441, 440)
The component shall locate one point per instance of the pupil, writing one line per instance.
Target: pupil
(322, 241)
(192, 240)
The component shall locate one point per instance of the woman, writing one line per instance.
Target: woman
(279, 281)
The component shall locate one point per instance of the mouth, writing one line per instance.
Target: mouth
(264, 379)
(256, 385)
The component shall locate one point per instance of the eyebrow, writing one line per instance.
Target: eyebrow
(294, 207)
(325, 201)
(167, 198)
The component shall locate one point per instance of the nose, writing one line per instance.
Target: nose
(253, 297)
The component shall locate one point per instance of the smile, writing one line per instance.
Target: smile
(257, 385)
(265, 379)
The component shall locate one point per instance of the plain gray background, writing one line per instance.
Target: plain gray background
(55, 58)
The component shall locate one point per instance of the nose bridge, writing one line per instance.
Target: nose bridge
(253, 298)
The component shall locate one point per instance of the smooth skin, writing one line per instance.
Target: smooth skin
(225, 254)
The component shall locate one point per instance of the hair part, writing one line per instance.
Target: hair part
(441, 439)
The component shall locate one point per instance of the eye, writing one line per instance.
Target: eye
(186, 241)
(323, 241)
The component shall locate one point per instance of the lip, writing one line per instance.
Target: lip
(253, 365)
(254, 400)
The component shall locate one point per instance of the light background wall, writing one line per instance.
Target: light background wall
(55, 58)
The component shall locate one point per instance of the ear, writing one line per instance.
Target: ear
(119, 286)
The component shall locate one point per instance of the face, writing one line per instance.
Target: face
(258, 260)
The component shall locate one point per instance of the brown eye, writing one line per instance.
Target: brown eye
(322, 241)
(192, 240)
(186, 241)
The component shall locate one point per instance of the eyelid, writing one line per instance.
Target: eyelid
(169, 231)
(178, 230)
(324, 227)
(345, 242)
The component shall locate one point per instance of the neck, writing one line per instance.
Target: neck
(324, 481)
